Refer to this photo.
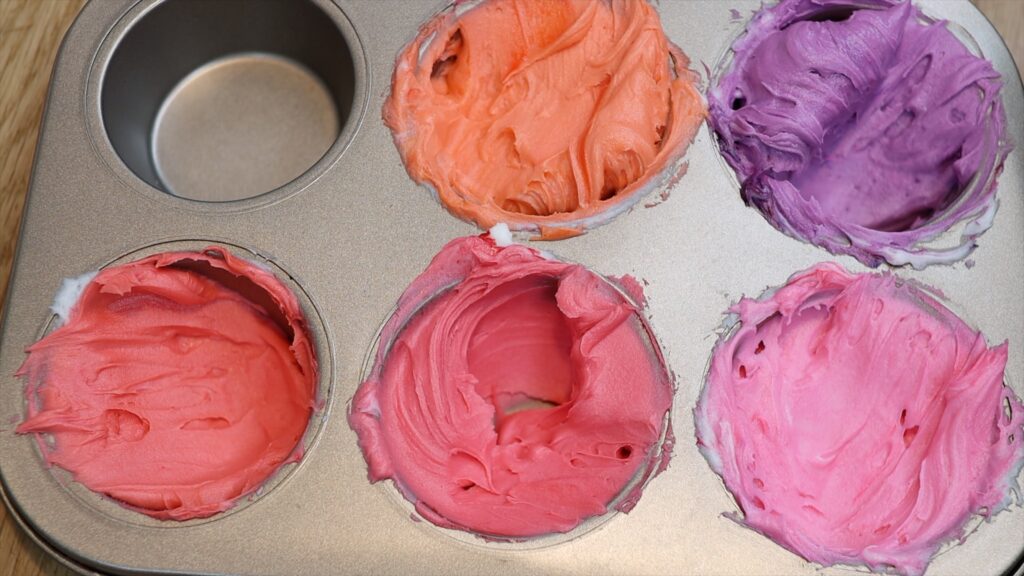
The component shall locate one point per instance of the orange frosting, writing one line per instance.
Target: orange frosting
(550, 116)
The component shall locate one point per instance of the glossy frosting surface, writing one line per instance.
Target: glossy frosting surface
(179, 383)
(858, 421)
(550, 116)
(519, 402)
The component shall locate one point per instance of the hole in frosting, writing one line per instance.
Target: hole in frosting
(520, 351)
(125, 425)
(522, 402)
(624, 452)
(660, 131)
(738, 101)
(827, 14)
(909, 434)
(609, 192)
(444, 65)
(517, 206)
(903, 417)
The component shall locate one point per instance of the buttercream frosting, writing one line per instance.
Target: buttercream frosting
(513, 395)
(857, 420)
(864, 128)
(177, 384)
(549, 116)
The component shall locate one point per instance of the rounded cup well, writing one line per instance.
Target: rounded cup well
(226, 100)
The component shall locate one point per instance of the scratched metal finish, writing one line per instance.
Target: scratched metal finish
(351, 233)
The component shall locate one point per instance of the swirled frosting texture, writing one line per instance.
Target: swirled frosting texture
(519, 402)
(549, 116)
(862, 130)
(858, 421)
(179, 383)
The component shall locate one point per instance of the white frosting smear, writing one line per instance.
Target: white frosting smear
(501, 235)
(67, 296)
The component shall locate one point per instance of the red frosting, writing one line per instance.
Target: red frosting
(180, 383)
(520, 401)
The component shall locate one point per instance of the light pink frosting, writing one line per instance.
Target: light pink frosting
(856, 420)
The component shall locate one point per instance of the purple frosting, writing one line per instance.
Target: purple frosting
(862, 128)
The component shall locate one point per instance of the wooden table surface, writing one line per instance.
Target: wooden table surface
(30, 33)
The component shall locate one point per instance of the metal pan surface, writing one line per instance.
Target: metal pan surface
(352, 230)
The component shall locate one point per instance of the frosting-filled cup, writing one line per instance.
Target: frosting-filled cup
(176, 384)
(857, 420)
(552, 117)
(514, 395)
(864, 128)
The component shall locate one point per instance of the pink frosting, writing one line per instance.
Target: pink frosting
(856, 420)
(519, 402)
(180, 383)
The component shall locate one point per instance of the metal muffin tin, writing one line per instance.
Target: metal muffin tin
(351, 232)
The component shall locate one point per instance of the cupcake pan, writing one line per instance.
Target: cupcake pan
(350, 232)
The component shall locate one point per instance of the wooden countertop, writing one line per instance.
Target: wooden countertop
(30, 33)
